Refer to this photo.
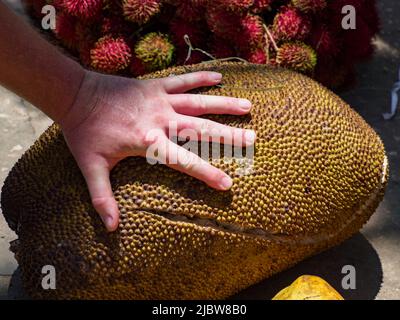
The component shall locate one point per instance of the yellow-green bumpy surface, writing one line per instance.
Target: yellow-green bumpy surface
(319, 173)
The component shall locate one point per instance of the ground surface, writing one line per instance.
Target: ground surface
(375, 252)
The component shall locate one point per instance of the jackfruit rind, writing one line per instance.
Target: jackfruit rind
(319, 172)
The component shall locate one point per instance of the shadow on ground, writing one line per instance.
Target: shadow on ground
(356, 251)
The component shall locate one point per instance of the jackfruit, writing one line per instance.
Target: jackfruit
(318, 173)
(308, 288)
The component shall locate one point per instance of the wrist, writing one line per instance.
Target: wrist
(82, 103)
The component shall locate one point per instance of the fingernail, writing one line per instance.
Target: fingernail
(108, 221)
(250, 137)
(226, 183)
(244, 104)
(215, 76)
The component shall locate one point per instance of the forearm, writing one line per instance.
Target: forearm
(34, 69)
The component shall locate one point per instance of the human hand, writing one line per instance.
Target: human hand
(112, 116)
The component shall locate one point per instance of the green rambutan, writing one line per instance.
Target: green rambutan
(155, 51)
(297, 56)
(309, 5)
(140, 11)
(83, 9)
(110, 54)
(290, 24)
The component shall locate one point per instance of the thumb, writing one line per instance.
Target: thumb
(97, 176)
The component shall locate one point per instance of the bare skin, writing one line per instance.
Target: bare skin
(107, 118)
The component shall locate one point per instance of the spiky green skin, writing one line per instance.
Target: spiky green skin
(297, 56)
(155, 51)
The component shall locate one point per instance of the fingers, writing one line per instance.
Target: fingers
(207, 130)
(189, 81)
(178, 158)
(196, 104)
(97, 176)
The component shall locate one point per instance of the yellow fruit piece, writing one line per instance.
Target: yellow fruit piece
(308, 288)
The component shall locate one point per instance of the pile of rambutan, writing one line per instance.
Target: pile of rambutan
(134, 37)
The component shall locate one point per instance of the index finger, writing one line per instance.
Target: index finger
(189, 81)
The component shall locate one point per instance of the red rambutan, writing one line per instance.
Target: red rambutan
(256, 56)
(336, 74)
(137, 67)
(115, 26)
(251, 32)
(65, 30)
(110, 54)
(370, 16)
(84, 53)
(85, 41)
(290, 24)
(179, 28)
(222, 23)
(84, 9)
(140, 11)
(324, 41)
(297, 56)
(365, 9)
(195, 57)
(113, 7)
(234, 5)
(358, 42)
(309, 5)
(260, 6)
(190, 11)
(220, 48)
